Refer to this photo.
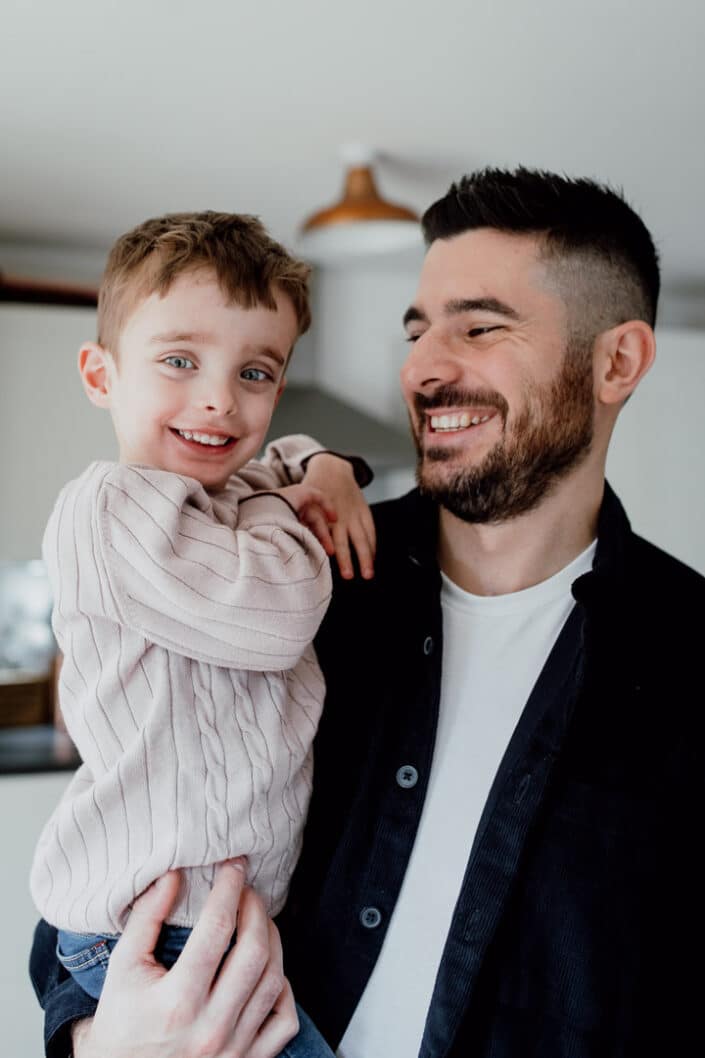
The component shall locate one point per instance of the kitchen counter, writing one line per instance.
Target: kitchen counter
(41, 748)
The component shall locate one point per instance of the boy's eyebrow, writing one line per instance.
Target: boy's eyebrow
(459, 305)
(179, 336)
(266, 350)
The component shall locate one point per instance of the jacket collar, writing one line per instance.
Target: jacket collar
(420, 531)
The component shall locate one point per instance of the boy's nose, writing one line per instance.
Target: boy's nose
(218, 399)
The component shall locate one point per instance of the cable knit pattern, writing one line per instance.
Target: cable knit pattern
(189, 685)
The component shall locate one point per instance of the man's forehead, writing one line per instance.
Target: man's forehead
(477, 266)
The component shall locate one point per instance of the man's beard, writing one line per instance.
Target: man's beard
(551, 437)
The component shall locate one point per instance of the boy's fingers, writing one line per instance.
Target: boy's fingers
(361, 544)
(208, 942)
(369, 524)
(146, 919)
(313, 519)
(342, 551)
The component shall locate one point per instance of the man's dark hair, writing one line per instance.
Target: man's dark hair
(597, 250)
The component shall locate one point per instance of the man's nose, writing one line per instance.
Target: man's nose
(430, 363)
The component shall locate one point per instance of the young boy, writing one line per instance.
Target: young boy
(188, 585)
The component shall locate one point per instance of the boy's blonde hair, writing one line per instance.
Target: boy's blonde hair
(247, 262)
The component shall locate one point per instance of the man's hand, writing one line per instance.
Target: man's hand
(245, 1009)
(335, 478)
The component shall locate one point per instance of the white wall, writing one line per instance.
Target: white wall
(657, 456)
(26, 802)
(49, 431)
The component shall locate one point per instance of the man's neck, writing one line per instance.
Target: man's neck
(513, 555)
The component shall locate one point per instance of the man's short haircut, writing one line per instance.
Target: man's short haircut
(598, 252)
(248, 264)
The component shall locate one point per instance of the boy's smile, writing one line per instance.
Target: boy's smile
(195, 379)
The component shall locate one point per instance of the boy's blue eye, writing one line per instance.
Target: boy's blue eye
(254, 374)
(178, 361)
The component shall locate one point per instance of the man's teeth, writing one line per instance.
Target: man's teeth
(203, 438)
(456, 422)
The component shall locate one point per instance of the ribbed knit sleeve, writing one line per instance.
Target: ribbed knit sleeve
(249, 595)
(283, 463)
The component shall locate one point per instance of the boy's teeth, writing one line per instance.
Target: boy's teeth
(203, 438)
(456, 422)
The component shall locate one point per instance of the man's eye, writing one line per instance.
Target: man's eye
(476, 332)
(412, 337)
(255, 374)
(178, 361)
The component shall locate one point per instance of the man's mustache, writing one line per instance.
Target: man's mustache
(452, 396)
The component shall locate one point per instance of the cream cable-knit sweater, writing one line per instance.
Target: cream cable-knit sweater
(189, 685)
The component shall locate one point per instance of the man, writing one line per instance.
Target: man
(500, 857)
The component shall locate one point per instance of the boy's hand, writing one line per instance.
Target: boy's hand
(354, 526)
(314, 510)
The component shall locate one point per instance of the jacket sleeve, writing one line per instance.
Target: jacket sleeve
(249, 594)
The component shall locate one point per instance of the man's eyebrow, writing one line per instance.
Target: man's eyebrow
(458, 306)
(494, 305)
(413, 315)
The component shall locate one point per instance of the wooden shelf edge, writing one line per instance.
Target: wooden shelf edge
(25, 291)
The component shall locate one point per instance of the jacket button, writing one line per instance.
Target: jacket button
(370, 917)
(427, 645)
(407, 776)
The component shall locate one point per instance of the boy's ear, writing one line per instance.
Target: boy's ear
(623, 356)
(93, 367)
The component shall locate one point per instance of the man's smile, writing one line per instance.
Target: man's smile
(455, 421)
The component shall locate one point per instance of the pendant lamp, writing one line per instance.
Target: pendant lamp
(362, 223)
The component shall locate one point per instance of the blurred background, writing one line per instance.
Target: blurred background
(111, 112)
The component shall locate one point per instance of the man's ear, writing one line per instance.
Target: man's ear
(623, 355)
(94, 368)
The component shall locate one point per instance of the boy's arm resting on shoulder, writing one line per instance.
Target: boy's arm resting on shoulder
(286, 461)
(205, 1004)
(249, 595)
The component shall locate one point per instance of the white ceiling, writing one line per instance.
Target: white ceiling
(114, 110)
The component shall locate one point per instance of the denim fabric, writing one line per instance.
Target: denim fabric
(86, 956)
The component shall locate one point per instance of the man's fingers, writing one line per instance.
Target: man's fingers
(208, 942)
(257, 949)
(279, 1028)
(267, 990)
(146, 919)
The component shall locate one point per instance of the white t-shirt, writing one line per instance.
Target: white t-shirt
(494, 648)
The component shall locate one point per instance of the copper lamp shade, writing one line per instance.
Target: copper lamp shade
(362, 223)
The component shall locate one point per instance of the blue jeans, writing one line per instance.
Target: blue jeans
(86, 957)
